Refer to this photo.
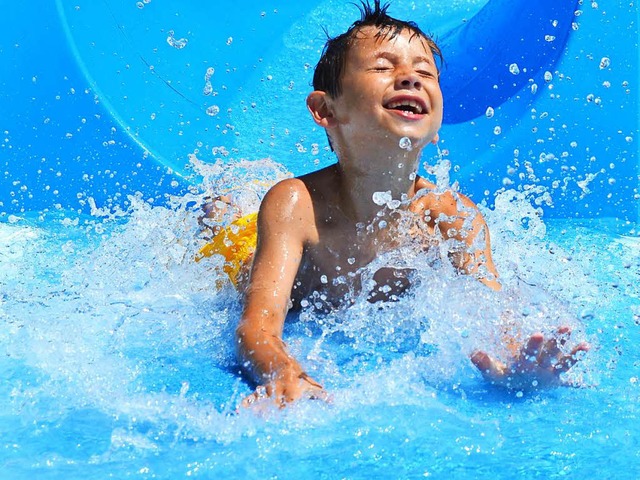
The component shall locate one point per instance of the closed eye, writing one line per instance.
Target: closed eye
(425, 73)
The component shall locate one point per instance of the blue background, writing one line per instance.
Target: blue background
(96, 104)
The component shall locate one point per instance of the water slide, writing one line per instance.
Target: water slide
(106, 99)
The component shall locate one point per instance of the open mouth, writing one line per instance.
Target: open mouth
(407, 105)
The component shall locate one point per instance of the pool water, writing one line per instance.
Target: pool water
(119, 360)
(117, 348)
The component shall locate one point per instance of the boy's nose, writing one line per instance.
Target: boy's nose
(408, 80)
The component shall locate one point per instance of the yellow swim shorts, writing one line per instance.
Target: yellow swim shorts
(236, 243)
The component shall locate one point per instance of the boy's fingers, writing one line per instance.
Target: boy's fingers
(487, 366)
(581, 347)
(248, 401)
(533, 346)
(261, 392)
(551, 346)
(570, 360)
(319, 394)
(481, 360)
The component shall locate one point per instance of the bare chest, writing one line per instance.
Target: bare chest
(330, 268)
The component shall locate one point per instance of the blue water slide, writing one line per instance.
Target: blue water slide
(506, 46)
(108, 98)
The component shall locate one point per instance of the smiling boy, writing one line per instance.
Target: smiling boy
(377, 95)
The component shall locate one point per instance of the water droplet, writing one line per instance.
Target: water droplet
(605, 62)
(382, 198)
(497, 130)
(213, 110)
(534, 88)
(176, 43)
(184, 389)
(549, 38)
(548, 76)
(323, 279)
(514, 69)
(405, 144)
(489, 113)
(140, 5)
(229, 40)
(208, 88)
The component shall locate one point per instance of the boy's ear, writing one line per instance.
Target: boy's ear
(318, 105)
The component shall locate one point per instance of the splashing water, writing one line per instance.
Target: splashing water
(386, 199)
(208, 87)
(117, 348)
(178, 44)
(213, 110)
(441, 173)
(111, 323)
(381, 198)
(405, 144)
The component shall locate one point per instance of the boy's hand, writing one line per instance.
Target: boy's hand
(538, 365)
(286, 388)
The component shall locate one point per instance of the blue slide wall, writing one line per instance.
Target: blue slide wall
(103, 98)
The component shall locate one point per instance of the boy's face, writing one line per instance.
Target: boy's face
(390, 90)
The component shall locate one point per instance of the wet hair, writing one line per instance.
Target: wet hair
(328, 73)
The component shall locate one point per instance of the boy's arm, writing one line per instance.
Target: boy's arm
(284, 222)
(476, 259)
(457, 217)
(537, 363)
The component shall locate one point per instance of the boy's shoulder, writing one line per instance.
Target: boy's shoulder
(449, 201)
(311, 187)
(285, 194)
(295, 199)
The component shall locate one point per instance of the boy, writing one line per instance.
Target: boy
(377, 95)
